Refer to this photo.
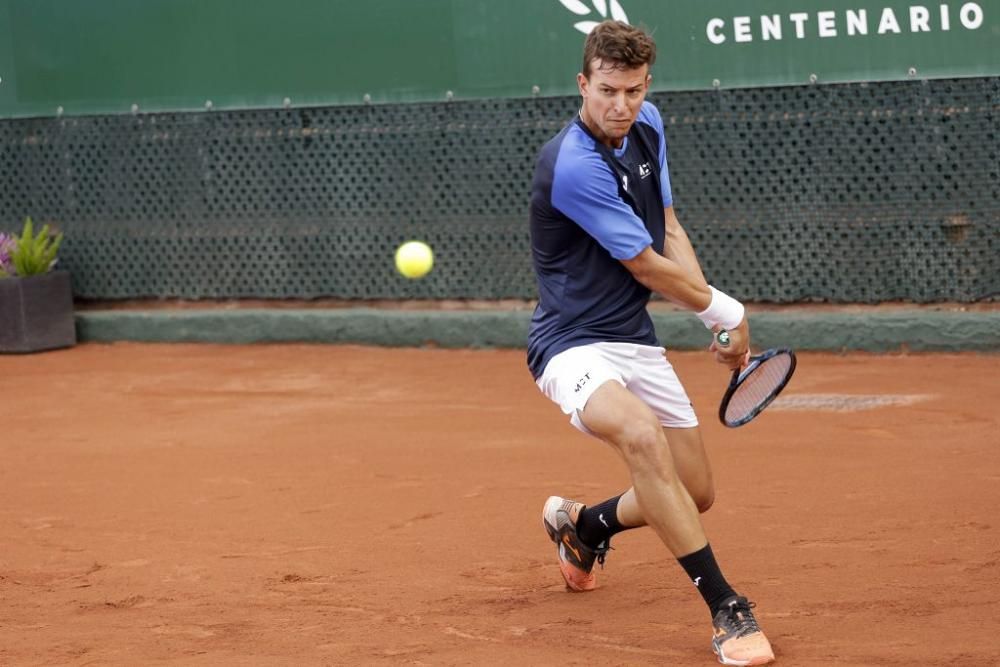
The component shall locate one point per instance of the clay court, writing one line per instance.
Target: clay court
(293, 504)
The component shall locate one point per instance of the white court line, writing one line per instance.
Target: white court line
(845, 402)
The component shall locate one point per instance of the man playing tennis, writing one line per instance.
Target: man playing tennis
(604, 237)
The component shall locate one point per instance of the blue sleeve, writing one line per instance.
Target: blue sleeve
(585, 190)
(650, 115)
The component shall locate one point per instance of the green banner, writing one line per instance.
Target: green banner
(121, 56)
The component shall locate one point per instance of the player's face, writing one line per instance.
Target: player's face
(611, 100)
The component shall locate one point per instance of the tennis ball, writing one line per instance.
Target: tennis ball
(414, 259)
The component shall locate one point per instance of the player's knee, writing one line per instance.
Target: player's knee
(643, 445)
(704, 500)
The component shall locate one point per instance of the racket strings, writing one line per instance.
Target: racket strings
(758, 387)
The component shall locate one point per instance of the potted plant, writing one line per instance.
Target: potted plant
(36, 302)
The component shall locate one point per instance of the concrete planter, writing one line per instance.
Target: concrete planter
(36, 313)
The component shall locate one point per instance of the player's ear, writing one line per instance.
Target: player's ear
(582, 83)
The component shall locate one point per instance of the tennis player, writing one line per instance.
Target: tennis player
(604, 236)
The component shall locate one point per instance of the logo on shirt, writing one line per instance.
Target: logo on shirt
(644, 170)
(625, 182)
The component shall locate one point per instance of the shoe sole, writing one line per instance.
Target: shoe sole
(762, 660)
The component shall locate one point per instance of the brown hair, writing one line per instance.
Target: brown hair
(618, 46)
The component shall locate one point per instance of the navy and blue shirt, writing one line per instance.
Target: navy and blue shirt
(591, 207)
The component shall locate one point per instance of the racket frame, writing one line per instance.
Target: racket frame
(741, 374)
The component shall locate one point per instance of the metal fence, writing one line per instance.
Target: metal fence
(840, 193)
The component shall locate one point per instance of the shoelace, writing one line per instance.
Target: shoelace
(602, 553)
(740, 618)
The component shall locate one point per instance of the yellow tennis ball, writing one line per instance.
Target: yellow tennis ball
(414, 259)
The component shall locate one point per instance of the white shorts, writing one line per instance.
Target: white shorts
(572, 376)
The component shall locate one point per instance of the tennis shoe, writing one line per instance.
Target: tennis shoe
(738, 639)
(576, 559)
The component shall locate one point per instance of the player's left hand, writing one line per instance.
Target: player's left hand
(736, 353)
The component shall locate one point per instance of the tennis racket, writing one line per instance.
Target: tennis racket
(754, 386)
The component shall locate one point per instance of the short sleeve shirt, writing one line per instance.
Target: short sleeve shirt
(591, 207)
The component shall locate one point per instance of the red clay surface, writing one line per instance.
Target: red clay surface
(291, 505)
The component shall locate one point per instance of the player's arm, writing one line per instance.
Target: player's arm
(669, 278)
(687, 288)
(717, 310)
(677, 245)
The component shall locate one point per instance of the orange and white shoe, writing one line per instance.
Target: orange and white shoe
(576, 559)
(738, 639)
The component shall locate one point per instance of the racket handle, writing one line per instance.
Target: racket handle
(723, 338)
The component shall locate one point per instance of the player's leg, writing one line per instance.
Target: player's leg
(691, 462)
(693, 468)
(629, 425)
(583, 533)
(569, 379)
(652, 379)
(618, 417)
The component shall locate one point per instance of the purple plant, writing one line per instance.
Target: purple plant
(7, 245)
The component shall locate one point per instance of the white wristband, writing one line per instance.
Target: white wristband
(723, 310)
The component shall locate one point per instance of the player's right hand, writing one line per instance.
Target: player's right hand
(735, 354)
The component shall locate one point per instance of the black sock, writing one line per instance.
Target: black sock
(706, 575)
(598, 523)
